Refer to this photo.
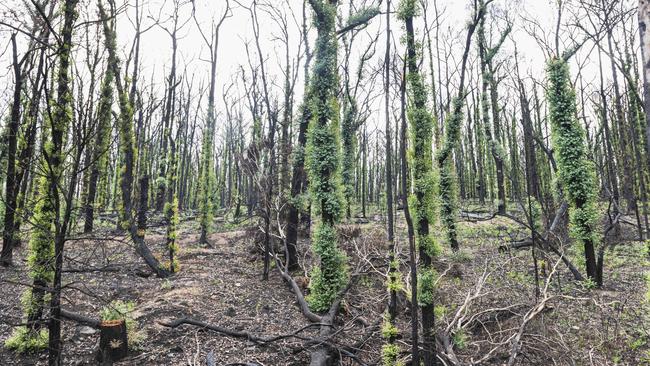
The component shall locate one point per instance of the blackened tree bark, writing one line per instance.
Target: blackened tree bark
(644, 23)
(488, 70)
(168, 113)
(127, 148)
(529, 144)
(206, 172)
(406, 191)
(299, 176)
(100, 147)
(12, 143)
(422, 126)
(390, 350)
(625, 156)
(62, 119)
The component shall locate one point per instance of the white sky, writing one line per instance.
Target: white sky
(156, 43)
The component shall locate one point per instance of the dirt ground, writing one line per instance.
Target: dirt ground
(484, 296)
(220, 285)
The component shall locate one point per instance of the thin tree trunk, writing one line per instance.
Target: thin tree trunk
(12, 143)
(644, 23)
(393, 274)
(406, 191)
(61, 120)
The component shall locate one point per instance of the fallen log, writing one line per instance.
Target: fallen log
(81, 319)
(260, 340)
(476, 217)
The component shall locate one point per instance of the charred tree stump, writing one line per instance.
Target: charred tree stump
(113, 344)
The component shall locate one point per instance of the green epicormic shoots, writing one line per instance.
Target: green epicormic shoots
(576, 172)
(323, 162)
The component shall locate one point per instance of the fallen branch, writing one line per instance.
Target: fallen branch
(530, 315)
(81, 319)
(108, 268)
(444, 345)
(545, 240)
(260, 340)
(304, 307)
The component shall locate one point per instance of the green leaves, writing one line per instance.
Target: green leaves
(426, 285)
(408, 9)
(448, 181)
(323, 162)
(576, 172)
(388, 330)
(360, 18)
(328, 279)
(389, 355)
(124, 310)
(24, 340)
(390, 351)
(171, 213)
(207, 176)
(448, 198)
(323, 168)
(348, 130)
(41, 243)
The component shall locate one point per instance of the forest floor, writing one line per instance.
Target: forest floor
(484, 296)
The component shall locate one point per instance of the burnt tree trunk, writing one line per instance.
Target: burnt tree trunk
(12, 143)
(644, 23)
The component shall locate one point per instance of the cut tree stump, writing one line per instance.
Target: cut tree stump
(113, 344)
